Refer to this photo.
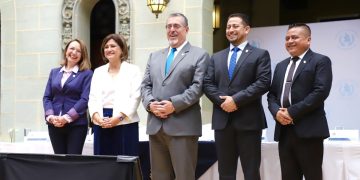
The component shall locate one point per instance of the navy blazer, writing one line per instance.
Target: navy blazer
(71, 99)
(310, 87)
(251, 79)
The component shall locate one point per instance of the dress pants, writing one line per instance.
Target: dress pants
(300, 156)
(173, 157)
(231, 144)
(67, 139)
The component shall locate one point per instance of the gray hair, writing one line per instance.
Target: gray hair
(181, 15)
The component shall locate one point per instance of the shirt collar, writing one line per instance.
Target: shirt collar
(178, 49)
(75, 69)
(240, 46)
(302, 55)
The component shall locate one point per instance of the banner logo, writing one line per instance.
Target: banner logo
(347, 39)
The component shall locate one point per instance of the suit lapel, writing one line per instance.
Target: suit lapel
(282, 71)
(304, 61)
(179, 57)
(71, 77)
(57, 79)
(224, 64)
(163, 58)
(245, 53)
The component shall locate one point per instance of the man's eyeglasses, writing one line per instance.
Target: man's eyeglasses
(175, 26)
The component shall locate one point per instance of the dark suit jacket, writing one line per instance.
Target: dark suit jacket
(182, 85)
(251, 79)
(311, 86)
(72, 99)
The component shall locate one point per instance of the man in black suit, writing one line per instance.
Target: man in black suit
(238, 116)
(297, 104)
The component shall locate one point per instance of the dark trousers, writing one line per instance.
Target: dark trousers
(119, 140)
(230, 145)
(67, 139)
(300, 156)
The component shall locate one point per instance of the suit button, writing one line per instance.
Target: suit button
(163, 84)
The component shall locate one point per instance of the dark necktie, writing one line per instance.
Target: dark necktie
(288, 83)
(232, 63)
(169, 60)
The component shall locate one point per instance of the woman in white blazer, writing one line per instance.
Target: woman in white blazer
(114, 99)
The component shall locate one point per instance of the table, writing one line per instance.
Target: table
(341, 162)
(206, 157)
(14, 166)
(341, 159)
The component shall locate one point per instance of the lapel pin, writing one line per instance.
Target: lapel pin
(73, 75)
(304, 62)
(246, 50)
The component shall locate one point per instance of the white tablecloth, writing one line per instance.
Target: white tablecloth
(341, 159)
(341, 162)
(36, 147)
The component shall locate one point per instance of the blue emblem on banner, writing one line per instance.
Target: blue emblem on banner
(255, 43)
(347, 89)
(347, 39)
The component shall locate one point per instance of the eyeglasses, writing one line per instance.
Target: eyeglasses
(175, 26)
(76, 50)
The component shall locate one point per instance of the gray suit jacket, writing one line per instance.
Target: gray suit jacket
(182, 86)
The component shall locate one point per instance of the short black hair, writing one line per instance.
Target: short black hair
(245, 18)
(302, 25)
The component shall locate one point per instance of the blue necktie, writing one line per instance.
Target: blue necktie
(169, 60)
(232, 63)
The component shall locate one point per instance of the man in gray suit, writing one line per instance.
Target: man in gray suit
(171, 90)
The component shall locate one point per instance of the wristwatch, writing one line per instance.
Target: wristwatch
(148, 105)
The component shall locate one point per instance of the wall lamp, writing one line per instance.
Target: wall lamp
(157, 6)
(216, 16)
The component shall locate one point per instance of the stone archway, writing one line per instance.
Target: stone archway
(69, 28)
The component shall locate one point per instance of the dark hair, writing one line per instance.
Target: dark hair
(120, 40)
(84, 63)
(301, 25)
(244, 17)
(181, 15)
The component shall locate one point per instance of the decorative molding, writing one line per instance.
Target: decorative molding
(67, 15)
(122, 20)
(123, 27)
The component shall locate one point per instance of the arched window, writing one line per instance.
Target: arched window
(102, 23)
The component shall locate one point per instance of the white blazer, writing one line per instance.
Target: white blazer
(127, 91)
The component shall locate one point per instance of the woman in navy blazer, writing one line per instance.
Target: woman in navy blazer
(65, 100)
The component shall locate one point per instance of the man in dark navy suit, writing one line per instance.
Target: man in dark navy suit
(235, 81)
(301, 83)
